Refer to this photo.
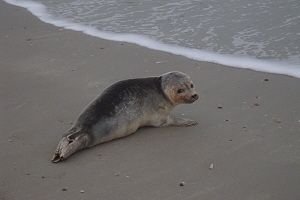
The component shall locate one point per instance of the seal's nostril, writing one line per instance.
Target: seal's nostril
(195, 96)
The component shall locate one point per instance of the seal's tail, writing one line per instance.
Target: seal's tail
(68, 145)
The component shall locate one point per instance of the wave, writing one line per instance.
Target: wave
(276, 67)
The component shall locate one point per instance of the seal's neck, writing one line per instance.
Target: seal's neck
(159, 85)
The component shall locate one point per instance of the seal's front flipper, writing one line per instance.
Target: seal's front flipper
(176, 121)
(69, 145)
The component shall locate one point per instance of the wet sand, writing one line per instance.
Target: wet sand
(248, 123)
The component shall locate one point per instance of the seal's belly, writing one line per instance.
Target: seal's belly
(123, 125)
(113, 128)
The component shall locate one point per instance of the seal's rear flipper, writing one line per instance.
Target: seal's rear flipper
(69, 145)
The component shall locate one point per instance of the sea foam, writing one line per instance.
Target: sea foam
(269, 66)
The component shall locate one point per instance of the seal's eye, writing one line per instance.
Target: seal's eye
(192, 85)
(180, 91)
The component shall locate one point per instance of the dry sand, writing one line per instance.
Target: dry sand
(48, 75)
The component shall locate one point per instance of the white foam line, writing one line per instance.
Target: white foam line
(277, 67)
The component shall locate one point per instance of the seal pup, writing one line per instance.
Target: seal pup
(126, 106)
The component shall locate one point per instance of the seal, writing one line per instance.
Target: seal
(126, 106)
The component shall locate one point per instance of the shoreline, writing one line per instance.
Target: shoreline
(235, 61)
(248, 123)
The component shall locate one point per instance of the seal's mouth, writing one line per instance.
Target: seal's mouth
(193, 98)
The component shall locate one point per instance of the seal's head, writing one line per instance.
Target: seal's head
(179, 88)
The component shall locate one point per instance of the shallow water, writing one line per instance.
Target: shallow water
(261, 35)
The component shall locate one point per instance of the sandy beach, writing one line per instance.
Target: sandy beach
(248, 128)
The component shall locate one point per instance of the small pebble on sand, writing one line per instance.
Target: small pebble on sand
(278, 121)
(211, 166)
(116, 174)
(181, 184)
(81, 191)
